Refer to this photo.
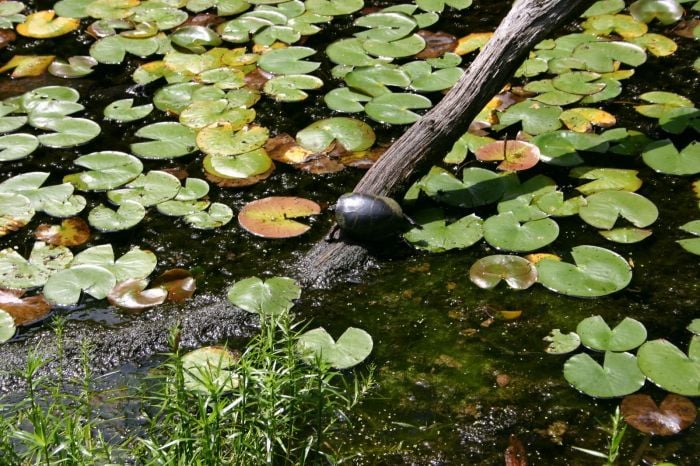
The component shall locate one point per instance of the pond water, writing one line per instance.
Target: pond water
(455, 381)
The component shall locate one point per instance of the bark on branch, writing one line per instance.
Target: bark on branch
(426, 142)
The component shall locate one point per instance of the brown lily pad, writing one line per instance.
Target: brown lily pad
(132, 295)
(224, 182)
(7, 36)
(675, 414)
(515, 155)
(24, 310)
(257, 78)
(284, 148)
(686, 28)
(71, 232)
(272, 217)
(179, 283)
(436, 44)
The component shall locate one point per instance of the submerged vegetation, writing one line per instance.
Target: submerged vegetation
(147, 119)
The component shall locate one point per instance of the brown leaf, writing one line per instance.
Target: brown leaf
(673, 415)
(179, 284)
(515, 453)
(6, 36)
(24, 310)
(257, 78)
(686, 28)
(203, 19)
(178, 172)
(71, 232)
(238, 182)
(132, 295)
(436, 44)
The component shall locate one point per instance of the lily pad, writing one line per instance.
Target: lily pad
(405, 47)
(598, 272)
(600, 57)
(288, 60)
(561, 343)
(344, 100)
(618, 376)
(353, 135)
(24, 310)
(517, 272)
(136, 263)
(375, 80)
(129, 214)
(71, 232)
(69, 132)
(239, 167)
(663, 157)
(675, 414)
(45, 25)
(504, 231)
(179, 284)
(202, 113)
(206, 370)
(665, 11)
(691, 245)
(669, 368)
(132, 295)
(7, 326)
(602, 209)
(76, 67)
(606, 179)
(597, 335)
(123, 110)
(169, 140)
(396, 108)
(582, 120)
(64, 287)
(478, 186)
(436, 235)
(148, 190)
(107, 170)
(353, 347)
(536, 118)
(273, 217)
(222, 140)
(273, 296)
(290, 88)
(626, 235)
(216, 216)
(15, 212)
(515, 155)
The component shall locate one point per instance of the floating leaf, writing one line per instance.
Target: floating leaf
(691, 245)
(169, 140)
(604, 7)
(206, 370)
(597, 335)
(618, 376)
(24, 310)
(675, 414)
(623, 25)
(349, 52)
(665, 11)
(123, 110)
(148, 190)
(179, 284)
(582, 120)
(395, 108)
(504, 231)
(661, 102)
(272, 297)
(437, 44)
(626, 235)
(658, 45)
(45, 25)
(472, 42)
(598, 272)
(405, 47)
(129, 214)
(64, 287)
(15, 212)
(602, 209)
(288, 60)
(194, 38)
(182, 208)
(194, 188)
(239, 167)
(75, 67)
(333, 7)
(108, 170)
(478, 186)
(345, 100)
(353, 135)
(669, 368)
(353, 347)
(663, 157)
(606, 179)
(436, 235)
(600, 57)
(536, 118)
(222, 139)
(217, 215)
(69, 132)
(515, 155)
(385, 26)
(374, 80)
(561, 343)
(71, 232)
(272, 217)
(561, 147)
(203, 113)
(7, 326)
(28, 65)
(289, 88)
(517, 272)
(694, 326)
(136, 263)
(132, 295)
(112, 50)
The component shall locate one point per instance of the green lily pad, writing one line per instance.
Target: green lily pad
(658, 45)
(598, 272)
(7, 326)
(436, 235)
(597, 335)
(132, 295)
(478, 186)
(111, 9)
(600, 57)
(274, 216)
(290, 88)
(273, 296)
(626, 235)
(175, 98)
(663, 157)
(623, 25)
(206, 370)
(9, 124)
(123, 111)
(203, 113)
(195, 38)
(353, 347)
(216, 216)
(385, 26)
(181, 208)
(553, 204)
(169, 140)
(222, 140)
(148, 190)
(239, 166)
(69, 132)
(603, 208)
(562, 147)
(604, 7)
(395, 108)
(129, 214)
(467, 143)
(162, 14)
(72, 205)
(671, 369)
(373, 80)
(76, 67)
(17, 146)
(606, 179)
(136, 263)
(15, 212)
(349, 52)
(193, 189)
(288, 60)
(107, 170)
(517, 272)
(405, 47)
(561, 343)
(353, 135)
(694, 326)
(112, 50)
(618, 376)
(344, 100)
(691, 245)
(665, 11)
(64, 287)
(505, 232)
(535, 117)
(333, 7)
(661, 102)
(18, 272)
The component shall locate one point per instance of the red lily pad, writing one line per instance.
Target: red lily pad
(71, 232)
(179, 283)
(24, 310)
(516, 155)
(272, 217)
(132, 295)
(675, 414)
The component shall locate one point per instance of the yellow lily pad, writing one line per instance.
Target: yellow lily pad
(472, 42)
(28, 65)
(45, 25)
(583, 119)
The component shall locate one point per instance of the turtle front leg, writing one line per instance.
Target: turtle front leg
(334, 234)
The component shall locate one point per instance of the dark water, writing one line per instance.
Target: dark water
(439, 362)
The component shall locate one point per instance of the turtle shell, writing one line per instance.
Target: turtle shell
(368, 217)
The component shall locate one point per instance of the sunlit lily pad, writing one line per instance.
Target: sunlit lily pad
(123, 110)
(194, 188)
(675, 413)
(436, 235)
(181, 208)
(334, 7)
(195, 38)
(618, 376)
(222, 139)
(107, 170)
(344, 100)
(179, 284)
(562, 147)
(623, 25)
(352, 134)
(45, 25)
(132, 295)
(517, 272)
(478, 186)
(602, 209)
(71, 232)
(385, 26)
(582, 120)
(15, 212)
(18, 272)
(375, 80)
(601, 57)
(241, 166)
(561, 343)
(663, 157)
(206, 370)
(515, 155)
(7, 326)
(505, 232)
(174, 98)
(472, 42)
(396, 108)
(203, 113)
(24, 310)
(353, 347)
(606, 179)
(290, 88)
(597, 335)
(69, 132)
(288, 60)
(598, 272)
(626, 235)
(148, 190)
(111, 9)
(129, 214)
(658, 45)
(75, 67)
(273, 217)
(661, 102)
(273, 296)
(665, 11)
(671, 369)
(405, 47)
(112, 50)
(216, 216)
(64, 287)
(536, 118)
(349, 52)
(169, 140)
(691, 245)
